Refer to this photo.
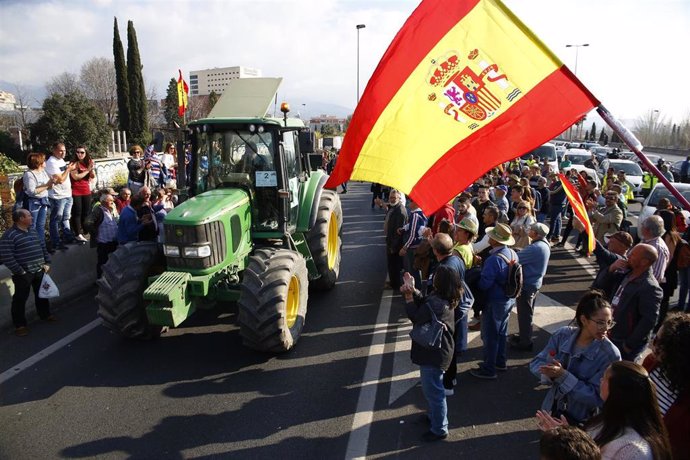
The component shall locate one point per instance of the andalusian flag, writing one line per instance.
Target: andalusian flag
(579, 210)
(182, 92)
(463, 87)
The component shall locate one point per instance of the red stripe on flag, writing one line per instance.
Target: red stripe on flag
(427, 25)
(547, 110)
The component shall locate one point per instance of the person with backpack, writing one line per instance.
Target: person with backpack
(501, 281)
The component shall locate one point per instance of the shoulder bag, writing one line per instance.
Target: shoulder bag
(428, 335)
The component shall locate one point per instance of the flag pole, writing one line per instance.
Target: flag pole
(633, 144)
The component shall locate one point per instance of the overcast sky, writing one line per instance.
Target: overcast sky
(637, 59)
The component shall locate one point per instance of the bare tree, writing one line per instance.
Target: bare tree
(22, 112)
(652, 129)
(65, 83)
(155, 114)
(98, 84)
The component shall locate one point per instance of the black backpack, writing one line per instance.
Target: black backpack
(514, 283)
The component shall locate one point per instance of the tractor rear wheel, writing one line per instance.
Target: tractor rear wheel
(324, 240)
(120, 289)
(273, 300)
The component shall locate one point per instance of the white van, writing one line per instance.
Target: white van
(547, 151)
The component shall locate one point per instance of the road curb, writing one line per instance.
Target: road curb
(73, 270)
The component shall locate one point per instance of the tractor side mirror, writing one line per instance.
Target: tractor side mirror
(306, 144)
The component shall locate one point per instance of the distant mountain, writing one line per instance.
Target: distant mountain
(35, 94)
(316, 108)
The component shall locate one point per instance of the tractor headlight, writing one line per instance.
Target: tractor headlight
(171, 251)
(197, 251)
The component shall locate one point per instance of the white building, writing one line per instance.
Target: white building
(7, 101)
(202, 82)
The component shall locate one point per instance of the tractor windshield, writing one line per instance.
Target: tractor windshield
(234, 157)
(241, 158)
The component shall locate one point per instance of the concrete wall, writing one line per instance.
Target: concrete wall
(73, 270)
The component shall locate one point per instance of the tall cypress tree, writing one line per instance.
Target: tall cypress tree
(121, 81)
(138, 105)
(170, 113)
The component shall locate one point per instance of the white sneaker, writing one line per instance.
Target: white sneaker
(81, 238)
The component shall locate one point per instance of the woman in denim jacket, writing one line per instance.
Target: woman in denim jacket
(575, 360)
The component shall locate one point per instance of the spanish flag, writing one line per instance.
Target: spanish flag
(579, 209)
(463, 87)
(182, 92)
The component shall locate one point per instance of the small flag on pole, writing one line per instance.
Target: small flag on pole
(182, 92)
(463, 87)
(579, 210)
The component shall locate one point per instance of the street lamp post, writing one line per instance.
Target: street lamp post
(577, 49)
(359, 26)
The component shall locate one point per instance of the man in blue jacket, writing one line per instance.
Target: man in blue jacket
(534, 260)
(494, 325)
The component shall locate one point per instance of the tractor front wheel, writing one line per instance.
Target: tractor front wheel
(273, 300)
(121, 287)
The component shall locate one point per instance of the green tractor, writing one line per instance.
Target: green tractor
(256, 227)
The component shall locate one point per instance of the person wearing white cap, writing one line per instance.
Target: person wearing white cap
(534, 260)
(494, 323)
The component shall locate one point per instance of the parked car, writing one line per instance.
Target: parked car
(547, 151)
(660, 191)
(632, 171)
(577, 159)
(589, 145)
(675, 169)
(601, 152)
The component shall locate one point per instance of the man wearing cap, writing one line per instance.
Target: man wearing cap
(501, 200)
(494, 323)
(617, 246)
(465, 232)
(534, 260)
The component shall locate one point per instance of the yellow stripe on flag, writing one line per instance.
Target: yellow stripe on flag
(393, 153)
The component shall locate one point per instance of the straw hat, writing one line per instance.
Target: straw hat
(502, 234)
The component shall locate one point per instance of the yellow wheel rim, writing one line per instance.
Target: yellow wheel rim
(332, 247)
(292, 301)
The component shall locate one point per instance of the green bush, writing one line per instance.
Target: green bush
(8, 165)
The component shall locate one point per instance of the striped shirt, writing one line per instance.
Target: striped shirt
(22, 251)
(659, 267)
(665, 395)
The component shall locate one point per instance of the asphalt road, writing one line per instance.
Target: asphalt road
(346, 390)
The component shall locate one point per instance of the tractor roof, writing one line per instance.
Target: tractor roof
(248, 100)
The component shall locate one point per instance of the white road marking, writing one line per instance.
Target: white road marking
(549, 316)
(14, 370)
(364, 414)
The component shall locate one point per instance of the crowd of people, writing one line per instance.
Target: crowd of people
(61, 192)
(496, 238)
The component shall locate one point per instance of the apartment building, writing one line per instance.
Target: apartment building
(203, 82)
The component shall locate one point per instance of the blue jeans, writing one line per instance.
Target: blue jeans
(494, 333)
(541, 217)
(684, 279)
(555, 214)
(39, 212)
(432, 387)
(60, 212)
